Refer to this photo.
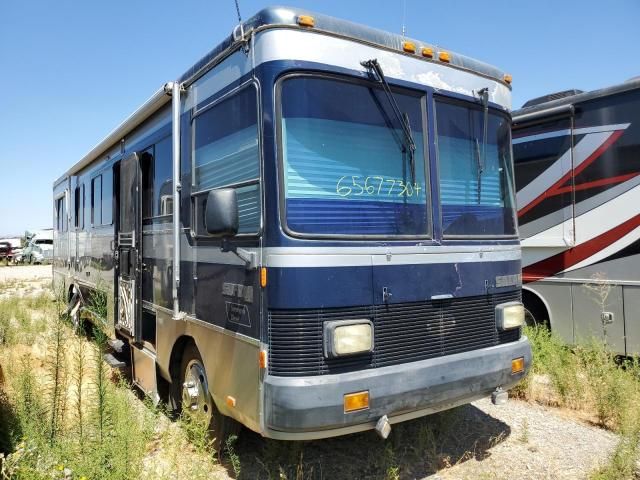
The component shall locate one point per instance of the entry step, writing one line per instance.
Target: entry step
(116, 345)
(113, 362)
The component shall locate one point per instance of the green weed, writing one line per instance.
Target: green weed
(592, 379)
(103, 435)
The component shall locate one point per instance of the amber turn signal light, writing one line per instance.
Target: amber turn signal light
(517, 365)
(262, 359)
(356, 401)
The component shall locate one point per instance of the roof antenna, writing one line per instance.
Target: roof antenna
(238, 32)
(404, 16)
(238, 10)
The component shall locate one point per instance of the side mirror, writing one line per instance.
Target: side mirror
(221, 213)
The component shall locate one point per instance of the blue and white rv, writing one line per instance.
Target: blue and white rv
(312, 231)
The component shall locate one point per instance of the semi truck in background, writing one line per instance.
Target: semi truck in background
(577, 164)
(38, 248)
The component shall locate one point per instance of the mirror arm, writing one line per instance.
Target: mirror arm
(250, 258)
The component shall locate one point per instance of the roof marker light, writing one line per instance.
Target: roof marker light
(508, 78)
(306, 21)
(444, 56)
(409, 47)
(427, 52)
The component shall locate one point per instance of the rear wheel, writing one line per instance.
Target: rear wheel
(192, 395)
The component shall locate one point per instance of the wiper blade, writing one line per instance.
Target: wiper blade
(483, 94)
(402, 118)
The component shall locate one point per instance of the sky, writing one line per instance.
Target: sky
(73, 70)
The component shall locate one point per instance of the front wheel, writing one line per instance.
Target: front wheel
(194, 399)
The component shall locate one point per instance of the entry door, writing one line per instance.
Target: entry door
(129, 242)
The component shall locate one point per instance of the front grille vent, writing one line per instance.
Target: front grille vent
(403, 333)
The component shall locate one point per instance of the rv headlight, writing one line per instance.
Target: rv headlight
(347, 337)
(509, 315)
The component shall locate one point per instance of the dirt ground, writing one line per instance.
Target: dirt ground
(477, 441)
(24, 272)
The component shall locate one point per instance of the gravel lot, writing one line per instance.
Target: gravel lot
(25, 272)
(540, 443)
(517, 440)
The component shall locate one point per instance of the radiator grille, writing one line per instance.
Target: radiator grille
(403, 333)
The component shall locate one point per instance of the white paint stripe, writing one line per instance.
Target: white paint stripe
(583, 149)
(394, 250)
(593, 224)
(607, 216)
(531, 255)
(310, 260)
(577, 131)
(610, 250)
(213, 254)
(544, 181)
(541, 136)
(287, 44)
(559, 235)
(601, 128)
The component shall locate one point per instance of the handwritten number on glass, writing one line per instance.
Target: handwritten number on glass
(376, 185)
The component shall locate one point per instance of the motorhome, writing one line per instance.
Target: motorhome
(312, 231)
(577, 163)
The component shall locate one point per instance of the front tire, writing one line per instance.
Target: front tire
(192, 396)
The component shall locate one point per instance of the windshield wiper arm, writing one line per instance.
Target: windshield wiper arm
(483, 94)
(402, 118)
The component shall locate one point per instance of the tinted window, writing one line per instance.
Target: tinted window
(147, 167)
(107, 196)
(61, 214)
(163, 178)
(345, 162)
(78, 203)
(476, 180)
(96, 200)
(226, 154)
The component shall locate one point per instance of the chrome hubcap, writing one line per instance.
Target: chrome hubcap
(195, 390)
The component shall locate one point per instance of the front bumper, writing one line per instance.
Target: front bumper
(303, 408)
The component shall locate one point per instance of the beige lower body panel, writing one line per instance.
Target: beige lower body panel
(231, 362)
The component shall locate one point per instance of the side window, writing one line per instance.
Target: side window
(146, 166)
(102, 199)
(226, 155)
(163, 179)
(78, 207)
(157, 182)
(96, 201)
(107, 196)
(60, 214)
(84, 202)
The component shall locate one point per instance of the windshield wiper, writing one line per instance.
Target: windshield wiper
(483, 94)
(409, 145)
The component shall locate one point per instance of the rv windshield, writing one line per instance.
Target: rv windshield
(343, 171)
(476, 193)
